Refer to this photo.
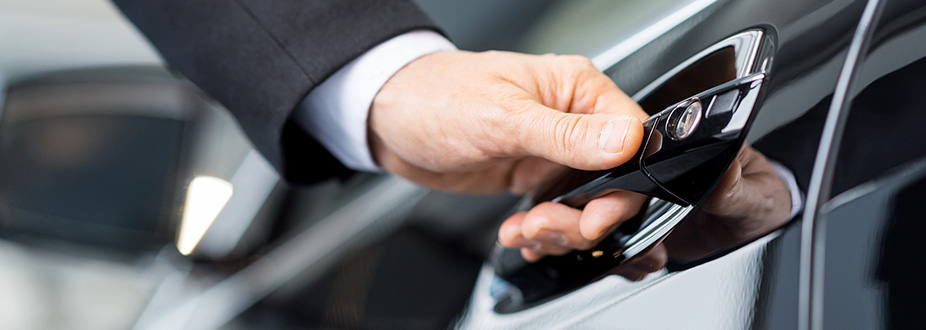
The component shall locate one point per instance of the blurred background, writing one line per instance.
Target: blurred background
(130, 200)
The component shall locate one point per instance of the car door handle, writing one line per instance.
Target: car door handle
(686, 149)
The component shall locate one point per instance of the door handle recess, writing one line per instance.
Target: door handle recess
(686, 149)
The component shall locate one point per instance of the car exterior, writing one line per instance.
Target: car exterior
(838, 264)
(839, 110)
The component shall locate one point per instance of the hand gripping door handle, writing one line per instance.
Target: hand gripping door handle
(685, 151)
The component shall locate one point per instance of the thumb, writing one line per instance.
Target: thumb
(582, 141)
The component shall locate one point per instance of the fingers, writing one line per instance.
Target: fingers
(603, 215)
(727, 189)
(750, 189)
(555, 224)
(574, 115)
(596, 93)
(543, 231)
(587, 142)
(556, 229)
(450, 113)
(510, 235)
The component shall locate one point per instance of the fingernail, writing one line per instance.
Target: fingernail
(612, 136)
(550, 236)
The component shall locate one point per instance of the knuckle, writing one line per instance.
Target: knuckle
(623, 205)
(506, 237)
(578, 61)
(545, 207)
(569, 133)
(509, 231)
(536, 219)
(572, 58)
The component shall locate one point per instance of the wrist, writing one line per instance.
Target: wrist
(336, 112)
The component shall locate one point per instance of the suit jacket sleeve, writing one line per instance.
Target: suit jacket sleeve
(260, 58)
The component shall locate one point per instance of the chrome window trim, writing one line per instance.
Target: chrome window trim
(813, 222)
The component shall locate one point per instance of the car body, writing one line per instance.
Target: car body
(832, 266)
(839, 109)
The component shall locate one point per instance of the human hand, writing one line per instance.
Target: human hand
(750, 200)
(494, 121)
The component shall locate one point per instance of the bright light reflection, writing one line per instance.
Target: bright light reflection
(204, 200)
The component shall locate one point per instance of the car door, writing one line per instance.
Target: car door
(755, 283)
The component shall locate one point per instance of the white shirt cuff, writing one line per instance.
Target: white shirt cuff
(335, 112)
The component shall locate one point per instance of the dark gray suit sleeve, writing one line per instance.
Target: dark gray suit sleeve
(260, 58)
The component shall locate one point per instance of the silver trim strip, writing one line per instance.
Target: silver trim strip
(813, 232)
(651, 234)
(2, 96)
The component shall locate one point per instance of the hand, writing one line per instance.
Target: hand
(494, 121)
(749, 201)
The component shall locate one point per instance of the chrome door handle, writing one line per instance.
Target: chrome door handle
(685, 151)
